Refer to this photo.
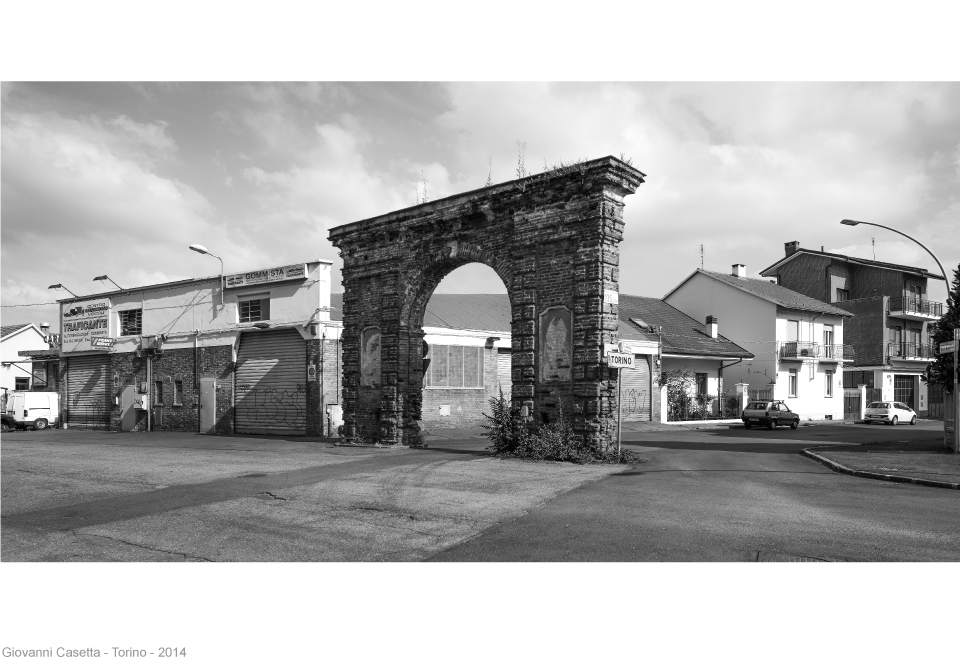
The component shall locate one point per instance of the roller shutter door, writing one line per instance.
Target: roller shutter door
(88, 392)
(504, 373)
(271, 380)
(636, 391)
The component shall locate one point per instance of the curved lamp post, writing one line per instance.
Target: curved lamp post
(854, 223)
(101, 278)
(202, 250)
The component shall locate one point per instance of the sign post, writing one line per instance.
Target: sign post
(945, 348)
(618, 360)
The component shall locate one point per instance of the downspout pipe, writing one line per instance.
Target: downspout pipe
(720, 381)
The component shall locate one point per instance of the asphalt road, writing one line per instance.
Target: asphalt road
(734, 495)
(718, 494)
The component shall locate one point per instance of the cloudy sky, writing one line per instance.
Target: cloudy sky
(117, 179)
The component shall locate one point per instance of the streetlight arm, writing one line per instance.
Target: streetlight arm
(946, 281)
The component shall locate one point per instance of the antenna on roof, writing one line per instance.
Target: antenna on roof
(874, 245)
(701, 256)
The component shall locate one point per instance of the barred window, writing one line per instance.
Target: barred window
(455, 367)
(131, 322)
(255, 309)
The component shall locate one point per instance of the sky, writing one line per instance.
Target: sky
(119, 178)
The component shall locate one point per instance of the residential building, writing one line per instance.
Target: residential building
(797, 341)
(891, 326)
(18, 372)
(664, 340)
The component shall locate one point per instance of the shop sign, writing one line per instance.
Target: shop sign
(105, 343)
(267, 276)
(83, 321)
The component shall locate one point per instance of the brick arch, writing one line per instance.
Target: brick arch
(552, 238)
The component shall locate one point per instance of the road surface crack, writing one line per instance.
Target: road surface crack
(269, 494)
(144, 547)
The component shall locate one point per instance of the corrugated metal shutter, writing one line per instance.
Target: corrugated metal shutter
(88, 392)
(504, 373)
(271, 383)
(636, 391)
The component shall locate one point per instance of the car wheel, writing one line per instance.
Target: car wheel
(40, 424)
(747, 425)
(795, 424)
(913, 420)
(771, 424)
(894, 421)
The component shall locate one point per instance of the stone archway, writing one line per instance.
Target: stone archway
(553, 239)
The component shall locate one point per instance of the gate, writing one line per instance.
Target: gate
(851, 404)
(935, 409)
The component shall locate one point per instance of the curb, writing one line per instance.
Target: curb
(896, 478)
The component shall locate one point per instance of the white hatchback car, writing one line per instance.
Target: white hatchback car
(889, 412)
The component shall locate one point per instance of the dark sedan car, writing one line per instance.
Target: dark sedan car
(770, 413)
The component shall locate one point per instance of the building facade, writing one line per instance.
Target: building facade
(20, 372)
(797, 341)
(891, 327)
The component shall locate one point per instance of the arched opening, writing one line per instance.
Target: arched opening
(467, 340)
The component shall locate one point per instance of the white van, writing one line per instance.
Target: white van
(36, 410)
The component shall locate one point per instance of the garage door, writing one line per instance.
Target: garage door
(903, 389)
(271, 383)
(88, 390)
(504, 374)
(636, 391)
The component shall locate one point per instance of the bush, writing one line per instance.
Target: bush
(511, 436)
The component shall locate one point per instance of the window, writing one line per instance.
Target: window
(131, 322)
(793, 330)
(158, 392)
(827, 335)
(178, 392)
(255, 309)
(455, 367)
(701, 384)
(843, 294)
(22, 384)
(793, 382)
(829, 382)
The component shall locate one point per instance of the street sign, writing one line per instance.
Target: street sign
(620, 360)
(948, 347)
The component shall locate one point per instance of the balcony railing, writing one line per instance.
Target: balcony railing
(910, 351)
(916, 305)
(836, 352)
(799, 350)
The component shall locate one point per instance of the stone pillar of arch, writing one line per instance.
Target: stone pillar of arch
(553, 239)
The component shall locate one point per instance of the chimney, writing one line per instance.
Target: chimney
(791, 247)
(712, 326)
(45, 328)
(739, 270)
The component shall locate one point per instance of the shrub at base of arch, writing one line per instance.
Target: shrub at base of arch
(512, 436)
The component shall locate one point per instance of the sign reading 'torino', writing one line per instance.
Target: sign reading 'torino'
(267, 276)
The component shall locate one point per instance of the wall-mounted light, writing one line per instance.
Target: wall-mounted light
(60, 286)
(101, 278)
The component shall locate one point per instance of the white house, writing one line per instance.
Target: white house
(797, 340)
(17, 372)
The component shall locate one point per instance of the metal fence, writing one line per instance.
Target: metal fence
(916, 305)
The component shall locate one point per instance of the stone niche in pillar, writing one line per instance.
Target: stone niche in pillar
(553, 239)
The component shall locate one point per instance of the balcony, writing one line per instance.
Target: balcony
(911, 352)
(799, 350)
(836, 353)
(915, 308)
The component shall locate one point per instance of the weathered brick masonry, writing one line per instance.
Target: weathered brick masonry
(552, 238)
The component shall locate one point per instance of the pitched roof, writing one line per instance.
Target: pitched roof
(681, 334)
(463, 311)
(911, 270)
(773, 292)
(10, 329)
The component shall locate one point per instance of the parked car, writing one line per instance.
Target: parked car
(36, 410)
(771, 413)
(889, 412)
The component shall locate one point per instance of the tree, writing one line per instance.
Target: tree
(940, 371)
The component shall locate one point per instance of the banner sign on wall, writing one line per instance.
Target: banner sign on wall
(267, 276)
(82, 321)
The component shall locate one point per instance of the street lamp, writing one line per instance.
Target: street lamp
(60, 286)
(105, 277)
(202, 250)
(854, 223)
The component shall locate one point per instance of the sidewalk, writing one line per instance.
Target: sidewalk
(920, 462)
